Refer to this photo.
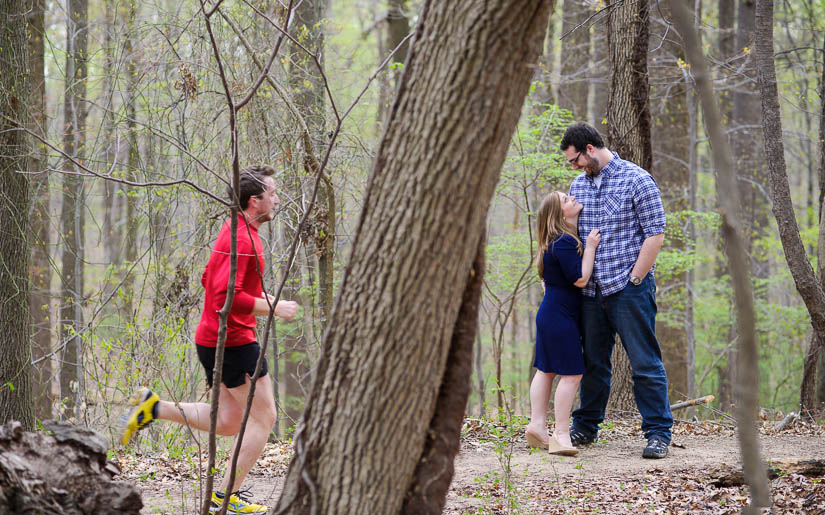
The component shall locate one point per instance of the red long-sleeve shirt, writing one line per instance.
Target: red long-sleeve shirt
(241, 323)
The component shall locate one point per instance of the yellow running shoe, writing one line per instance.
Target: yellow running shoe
(238, 503)
(145, 410)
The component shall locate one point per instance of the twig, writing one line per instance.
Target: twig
(92, 173)
(606, 9)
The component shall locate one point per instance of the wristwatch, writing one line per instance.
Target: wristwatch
(635, 281)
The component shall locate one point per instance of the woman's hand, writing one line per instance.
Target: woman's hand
(594, 238)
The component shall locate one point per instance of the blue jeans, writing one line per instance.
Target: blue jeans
(632, 314)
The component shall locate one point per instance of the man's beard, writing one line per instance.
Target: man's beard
(591, 166)
(265, 217)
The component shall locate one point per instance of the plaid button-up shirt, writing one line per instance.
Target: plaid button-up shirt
(627, 209)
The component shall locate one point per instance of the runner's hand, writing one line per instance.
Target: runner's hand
(286, 309)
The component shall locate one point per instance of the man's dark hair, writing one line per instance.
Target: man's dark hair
(252, 182)
(579, 135)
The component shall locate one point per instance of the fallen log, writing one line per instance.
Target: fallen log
(693, 402)
(728, 475)
(725, 476)
(803, 467)
(65, 472)
(789, 418)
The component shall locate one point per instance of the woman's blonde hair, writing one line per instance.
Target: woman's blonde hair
(551, 226)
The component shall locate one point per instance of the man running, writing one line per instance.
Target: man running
(258, 201)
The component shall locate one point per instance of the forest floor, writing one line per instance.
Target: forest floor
(496, 473)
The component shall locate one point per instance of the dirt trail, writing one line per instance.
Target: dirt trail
(609, 476)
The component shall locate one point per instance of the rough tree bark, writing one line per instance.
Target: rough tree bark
(40, 270)
(747, 386)
(72, 212)
(15, 367)
(628, 133)
(381, 401)
(805, 279)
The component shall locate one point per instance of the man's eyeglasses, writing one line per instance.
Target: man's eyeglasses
(575, 160)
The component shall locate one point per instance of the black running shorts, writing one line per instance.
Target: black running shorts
(238, 362)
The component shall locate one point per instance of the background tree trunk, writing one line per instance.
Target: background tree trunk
(307, 83)
(395, 324)
(40, 270)
(575, 57)
(726, 48)
(132, 163)
(599, 81)
(747, 387)
(16, 401)
(394, 28)
(111, 200)
(72, 213)
(628, 133)
(671, 160)
(812, 391)
(806, 281)
(747, 140)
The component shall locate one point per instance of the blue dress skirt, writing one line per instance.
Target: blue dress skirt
(558, 341)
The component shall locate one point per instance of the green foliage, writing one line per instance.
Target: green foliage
(503, 432)
(507, 257)
(534, 156)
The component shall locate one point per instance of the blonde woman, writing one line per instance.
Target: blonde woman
(565, 266)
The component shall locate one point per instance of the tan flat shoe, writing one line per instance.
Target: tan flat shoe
(554, 447)
(533, 440)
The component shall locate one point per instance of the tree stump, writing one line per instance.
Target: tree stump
(65, 472)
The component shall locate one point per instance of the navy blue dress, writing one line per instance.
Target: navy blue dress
(558, 341)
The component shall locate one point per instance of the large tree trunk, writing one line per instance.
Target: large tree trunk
(15, 367)
(72, 213)
(747, 387)
(671, 159)
(628, 133)
(40, 270)
(575, 53)
(381, 403)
